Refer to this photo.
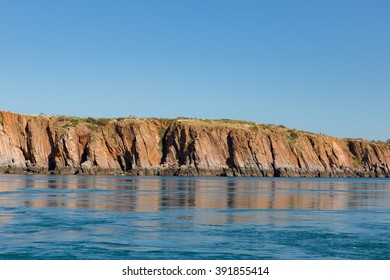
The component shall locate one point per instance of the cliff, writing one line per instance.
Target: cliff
(184, 147)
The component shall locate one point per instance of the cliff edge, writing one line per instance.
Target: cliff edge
(183, 147)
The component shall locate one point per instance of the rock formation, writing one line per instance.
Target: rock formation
(183, 147)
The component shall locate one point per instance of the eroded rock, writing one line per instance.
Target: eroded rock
(181, 147)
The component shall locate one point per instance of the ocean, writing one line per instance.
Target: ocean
(124, 218)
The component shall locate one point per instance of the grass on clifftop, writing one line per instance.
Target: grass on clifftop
(92, 123)
(95, 123)
(209, 122)
(220, 122)
(293, 134)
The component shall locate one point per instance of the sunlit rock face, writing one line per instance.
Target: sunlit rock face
(182, 147)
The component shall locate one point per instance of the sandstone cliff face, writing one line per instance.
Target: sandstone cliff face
(186, 147)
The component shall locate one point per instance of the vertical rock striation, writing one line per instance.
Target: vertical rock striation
(183, 147)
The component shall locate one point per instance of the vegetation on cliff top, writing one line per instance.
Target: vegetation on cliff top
(91, 123)
(94, 124)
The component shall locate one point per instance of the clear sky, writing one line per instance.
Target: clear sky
(320, 66)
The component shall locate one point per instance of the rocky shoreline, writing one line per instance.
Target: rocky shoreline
(180, 147)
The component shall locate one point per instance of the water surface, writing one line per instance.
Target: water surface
(115, 217)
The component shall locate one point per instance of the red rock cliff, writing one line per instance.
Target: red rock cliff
(188, 147)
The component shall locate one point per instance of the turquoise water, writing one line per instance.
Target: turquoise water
(115, 217)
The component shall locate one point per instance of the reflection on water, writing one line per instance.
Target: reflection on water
(157, 194)
(115, 217)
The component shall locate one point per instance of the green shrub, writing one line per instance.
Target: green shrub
(74, 122)
(356, 163)
(97, 122)
(255, 128)
(293, 136)
(92, 127)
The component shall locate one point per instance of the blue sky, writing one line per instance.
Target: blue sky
(320, 66)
